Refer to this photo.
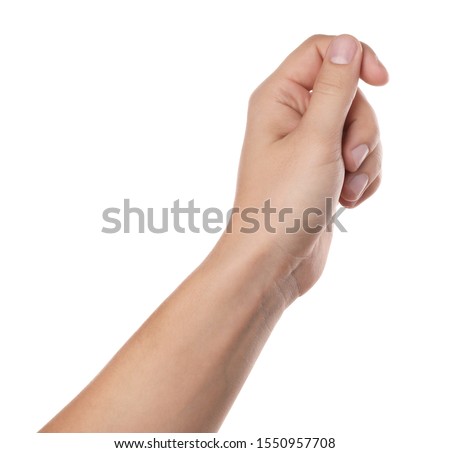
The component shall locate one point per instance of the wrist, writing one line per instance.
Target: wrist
(256, 263)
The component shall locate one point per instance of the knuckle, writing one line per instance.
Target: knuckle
(317, 37)
(255, 97)
(376, 161)
(378, 179)
(372, 133)
(261, 95)
(329, 85)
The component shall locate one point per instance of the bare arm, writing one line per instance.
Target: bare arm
(182, 370)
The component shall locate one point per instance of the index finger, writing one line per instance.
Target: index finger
(304, 63)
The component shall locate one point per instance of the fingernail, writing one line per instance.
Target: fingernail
(356, 185)
(359, 154)
(343, 49)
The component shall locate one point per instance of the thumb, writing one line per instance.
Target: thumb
(335, 87)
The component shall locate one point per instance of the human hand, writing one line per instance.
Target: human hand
(311, 136)
(182, 370)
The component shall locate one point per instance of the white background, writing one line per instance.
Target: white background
(101, 101)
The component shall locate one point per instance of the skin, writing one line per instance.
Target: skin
(182, 370)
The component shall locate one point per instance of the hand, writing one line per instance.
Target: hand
(182, 370)
(311, 135)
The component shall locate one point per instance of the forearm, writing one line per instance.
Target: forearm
(184, 367)
(311, 137)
